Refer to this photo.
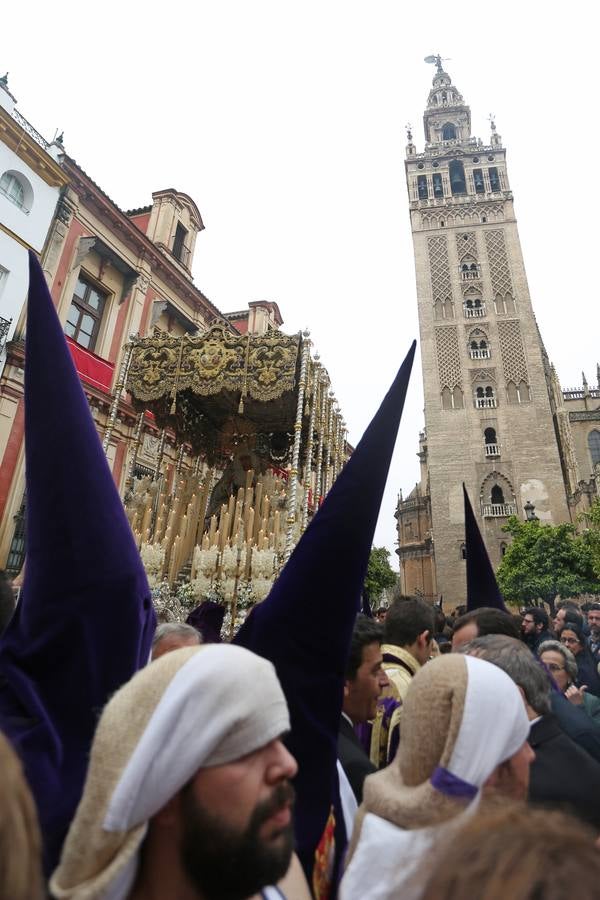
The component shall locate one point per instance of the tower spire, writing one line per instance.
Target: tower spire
(447, 117)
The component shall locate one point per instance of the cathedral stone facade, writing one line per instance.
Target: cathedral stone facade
(495, 417)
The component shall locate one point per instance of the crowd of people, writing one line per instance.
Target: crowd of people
(323, 753)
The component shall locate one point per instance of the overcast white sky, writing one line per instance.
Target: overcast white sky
(285, 122)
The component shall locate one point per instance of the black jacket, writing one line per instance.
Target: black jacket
(563, 775)
(355, 762)
(576, 723)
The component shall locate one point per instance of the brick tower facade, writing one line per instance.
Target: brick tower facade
(488, 413)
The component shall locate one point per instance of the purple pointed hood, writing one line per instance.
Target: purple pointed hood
(305, 624)
(207, 618)
(482, 587)
(85, 620)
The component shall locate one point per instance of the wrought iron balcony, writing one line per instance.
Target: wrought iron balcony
(470, 274)
(485, 402)
(4, 329)
(492, 449)
(499, 510)
(474, 312)
(480, 353)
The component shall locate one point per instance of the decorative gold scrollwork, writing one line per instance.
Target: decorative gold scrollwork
(213, 362)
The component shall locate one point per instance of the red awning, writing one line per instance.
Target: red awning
(92, 369)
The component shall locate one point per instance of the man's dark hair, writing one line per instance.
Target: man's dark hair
(407, 618)
(592, 606)
(573, 617)
(539, 615)
(440, 620)
(489, 621)
(567, 604)
(366, 631)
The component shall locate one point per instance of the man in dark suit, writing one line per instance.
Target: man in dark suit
(562, 774)
(364, 682)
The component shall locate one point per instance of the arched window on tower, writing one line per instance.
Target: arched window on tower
(458, 184)
(449, 132)
(438, 186)
(478, 181)
(485, 397)
(518, 393)
(594, 445)
(492, 448)
(497, 495)
(524, 392)
(452, 399)
(494, 179)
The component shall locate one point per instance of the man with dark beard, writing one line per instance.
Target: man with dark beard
(188, 790)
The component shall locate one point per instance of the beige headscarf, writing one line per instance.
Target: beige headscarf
(461, 718)
(193, 708)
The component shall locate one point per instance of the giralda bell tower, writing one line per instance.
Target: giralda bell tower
(487, 408)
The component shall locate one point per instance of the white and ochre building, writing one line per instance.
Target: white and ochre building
(112, 274)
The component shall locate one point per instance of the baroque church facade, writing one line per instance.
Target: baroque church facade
(495, 415)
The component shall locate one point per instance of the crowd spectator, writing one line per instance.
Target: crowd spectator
(173, 635)
(188, 788)
(562, 666)
(535, 627)
(574, 721)
(442, 633)
(408, 635)
(587, 676)
(464, 734)
(566, 611)
(562, 775)
(479, 622)
(512, 852)
(364, 682)
(593, 619)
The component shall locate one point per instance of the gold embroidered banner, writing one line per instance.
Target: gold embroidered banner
(262, 367)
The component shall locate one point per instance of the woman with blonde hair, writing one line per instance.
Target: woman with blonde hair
(20, 843)
(514, 851)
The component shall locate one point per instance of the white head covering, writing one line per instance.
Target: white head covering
(493, 727)
(190, 709)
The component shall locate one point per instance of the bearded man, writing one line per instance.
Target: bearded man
(188, 791)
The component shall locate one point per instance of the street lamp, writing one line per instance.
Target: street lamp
(530, 515)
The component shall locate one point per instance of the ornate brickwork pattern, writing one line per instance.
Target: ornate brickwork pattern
(512, 352)
(466, 243)
(498, 260)
(448, 355)
(440, 269)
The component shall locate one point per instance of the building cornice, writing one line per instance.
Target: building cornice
(27, 149)
(90, 193)
(588, 415)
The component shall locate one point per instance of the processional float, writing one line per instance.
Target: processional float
(257, 416)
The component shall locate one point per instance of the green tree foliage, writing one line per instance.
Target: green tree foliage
(380, 574)
(543, 562)
(591, 535)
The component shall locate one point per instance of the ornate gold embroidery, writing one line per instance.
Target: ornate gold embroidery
(213, 362)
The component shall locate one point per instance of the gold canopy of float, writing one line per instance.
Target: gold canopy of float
(258, 415)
